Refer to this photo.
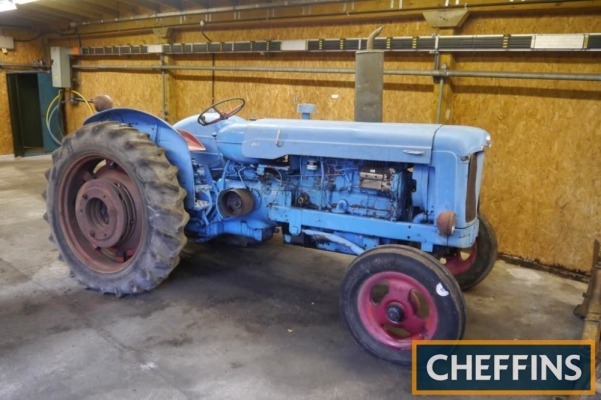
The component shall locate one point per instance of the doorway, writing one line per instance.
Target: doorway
(29, 95)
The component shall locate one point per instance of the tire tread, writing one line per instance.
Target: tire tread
(159, 185)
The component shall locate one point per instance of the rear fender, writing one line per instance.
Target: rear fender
(160, 132)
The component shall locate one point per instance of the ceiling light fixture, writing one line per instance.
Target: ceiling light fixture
(11, 5)
(7, 5)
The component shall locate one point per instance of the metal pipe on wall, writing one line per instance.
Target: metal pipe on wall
(519, 75)
(164, 86)
(443, 74)
(428, 73)
(440, 95)
(150, 68)
(23, 65)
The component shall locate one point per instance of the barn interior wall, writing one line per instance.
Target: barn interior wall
(542, 183)
(25, 52)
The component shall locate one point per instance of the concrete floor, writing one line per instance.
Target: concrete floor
(229, 323)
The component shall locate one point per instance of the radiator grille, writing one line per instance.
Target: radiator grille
(471, 200)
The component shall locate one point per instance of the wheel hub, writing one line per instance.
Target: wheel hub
(395, 314)
(395, 309)
(104, 212)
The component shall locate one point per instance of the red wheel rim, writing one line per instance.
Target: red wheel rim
(396, 309)
(461, 260)
(99, 211)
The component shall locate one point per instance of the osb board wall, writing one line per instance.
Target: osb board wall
(278, 94)
(142, 90)
(24, 52)
(133, 89)
(542, 185)
(267, 94)
(271, 94)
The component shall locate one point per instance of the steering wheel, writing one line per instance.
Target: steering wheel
(222, 115)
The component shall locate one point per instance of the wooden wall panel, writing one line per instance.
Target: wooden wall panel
(542, 185)
(6, 138)
(193, 89)
(24, 52)
(142, 90)
(135, 89)
(408, 98)
(277, 94)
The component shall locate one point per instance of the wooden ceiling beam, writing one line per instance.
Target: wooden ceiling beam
(37, 15)
(331, 12)
(119, 5)
(65, 6)
(221, 3)
(45, 8)
(173, 5)
(140, 5)
(113, 6)
(100, 8)
(201, 3)
(28, 15)
(21, 22)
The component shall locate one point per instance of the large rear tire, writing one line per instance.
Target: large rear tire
(392, 295)
(115, 209)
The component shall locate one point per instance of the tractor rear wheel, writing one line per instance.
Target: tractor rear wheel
(115, 209)
(393, 294)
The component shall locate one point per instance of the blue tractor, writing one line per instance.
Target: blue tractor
(127, 190)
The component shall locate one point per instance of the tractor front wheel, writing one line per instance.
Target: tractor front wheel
(115, 209)
(393, 294)
(471, 266)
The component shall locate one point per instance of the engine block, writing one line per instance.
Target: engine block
(365, 189)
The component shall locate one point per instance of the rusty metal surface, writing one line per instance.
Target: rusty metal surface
(372, 36)
(369, 85)
(98, 205)
(369, 81)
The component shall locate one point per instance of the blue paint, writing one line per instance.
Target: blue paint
(164, 135)
(334, 185)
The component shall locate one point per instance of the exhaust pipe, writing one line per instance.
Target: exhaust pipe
(369, 81)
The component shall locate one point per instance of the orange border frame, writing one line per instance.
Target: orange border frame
(415, 343)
